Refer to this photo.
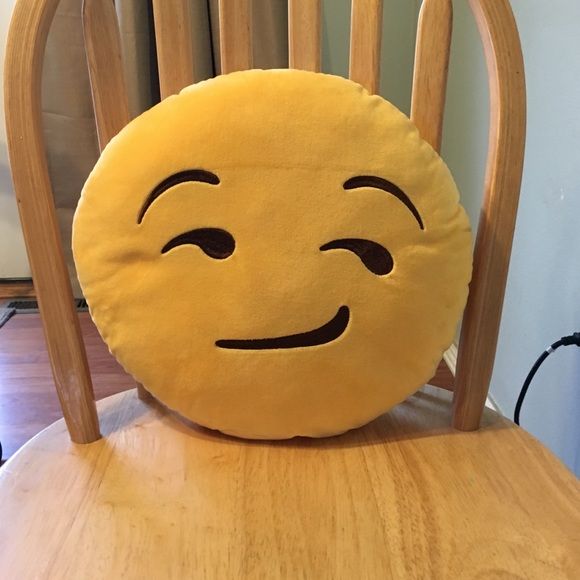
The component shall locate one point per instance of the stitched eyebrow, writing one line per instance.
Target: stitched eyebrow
(385, 185)
(200, 175)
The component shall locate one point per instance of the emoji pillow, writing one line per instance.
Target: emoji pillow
(274, 253)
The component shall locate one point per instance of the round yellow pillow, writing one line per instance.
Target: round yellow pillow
(274, 253)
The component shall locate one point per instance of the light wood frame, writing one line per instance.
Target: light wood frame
(23, 66)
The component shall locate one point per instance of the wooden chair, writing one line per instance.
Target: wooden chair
(406, 496)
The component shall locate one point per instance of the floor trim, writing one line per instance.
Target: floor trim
(16, 289)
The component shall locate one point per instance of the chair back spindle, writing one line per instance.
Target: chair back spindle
(501, 192)
(235, 35)
(431, 67)
(173, 39)
(106, 74)
(366, 26)
(304, 28)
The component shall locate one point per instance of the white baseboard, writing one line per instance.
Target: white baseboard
(492, 404)
(450, 358)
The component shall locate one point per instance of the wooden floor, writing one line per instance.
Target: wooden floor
(28, 401)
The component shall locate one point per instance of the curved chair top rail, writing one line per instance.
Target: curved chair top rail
(23, 66)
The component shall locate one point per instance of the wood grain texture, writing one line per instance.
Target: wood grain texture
(431, 68)
(404, 497)
(304, 34)
(235, 35)
(22, 78)
(366, 27)
(24, 289)
(482, 317)
(104, 59)
(173, 39)
(28, 400)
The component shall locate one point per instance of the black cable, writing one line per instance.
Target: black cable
(564, 341)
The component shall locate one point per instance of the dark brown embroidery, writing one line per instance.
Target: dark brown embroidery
(325, 333)
(200, 175)
(375, 257)
(385, 185)
(214, 242)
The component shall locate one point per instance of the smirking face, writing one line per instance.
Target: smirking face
(274, 253)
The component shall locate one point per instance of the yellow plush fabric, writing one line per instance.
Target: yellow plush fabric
(262, 205)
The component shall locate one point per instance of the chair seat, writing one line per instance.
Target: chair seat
(404, 497)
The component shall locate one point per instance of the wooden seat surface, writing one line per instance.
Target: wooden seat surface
(404, 497)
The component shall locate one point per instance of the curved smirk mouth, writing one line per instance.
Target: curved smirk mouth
(321, 335)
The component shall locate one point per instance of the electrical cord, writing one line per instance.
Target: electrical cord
(564, 341)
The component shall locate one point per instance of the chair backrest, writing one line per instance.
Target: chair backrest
(24, 56)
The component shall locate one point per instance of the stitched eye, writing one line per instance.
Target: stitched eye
(375, 257)
(214, 242)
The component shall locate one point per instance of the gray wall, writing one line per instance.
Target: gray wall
(543, 295)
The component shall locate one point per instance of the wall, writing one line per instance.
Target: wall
(543, 295)
(13, 262)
